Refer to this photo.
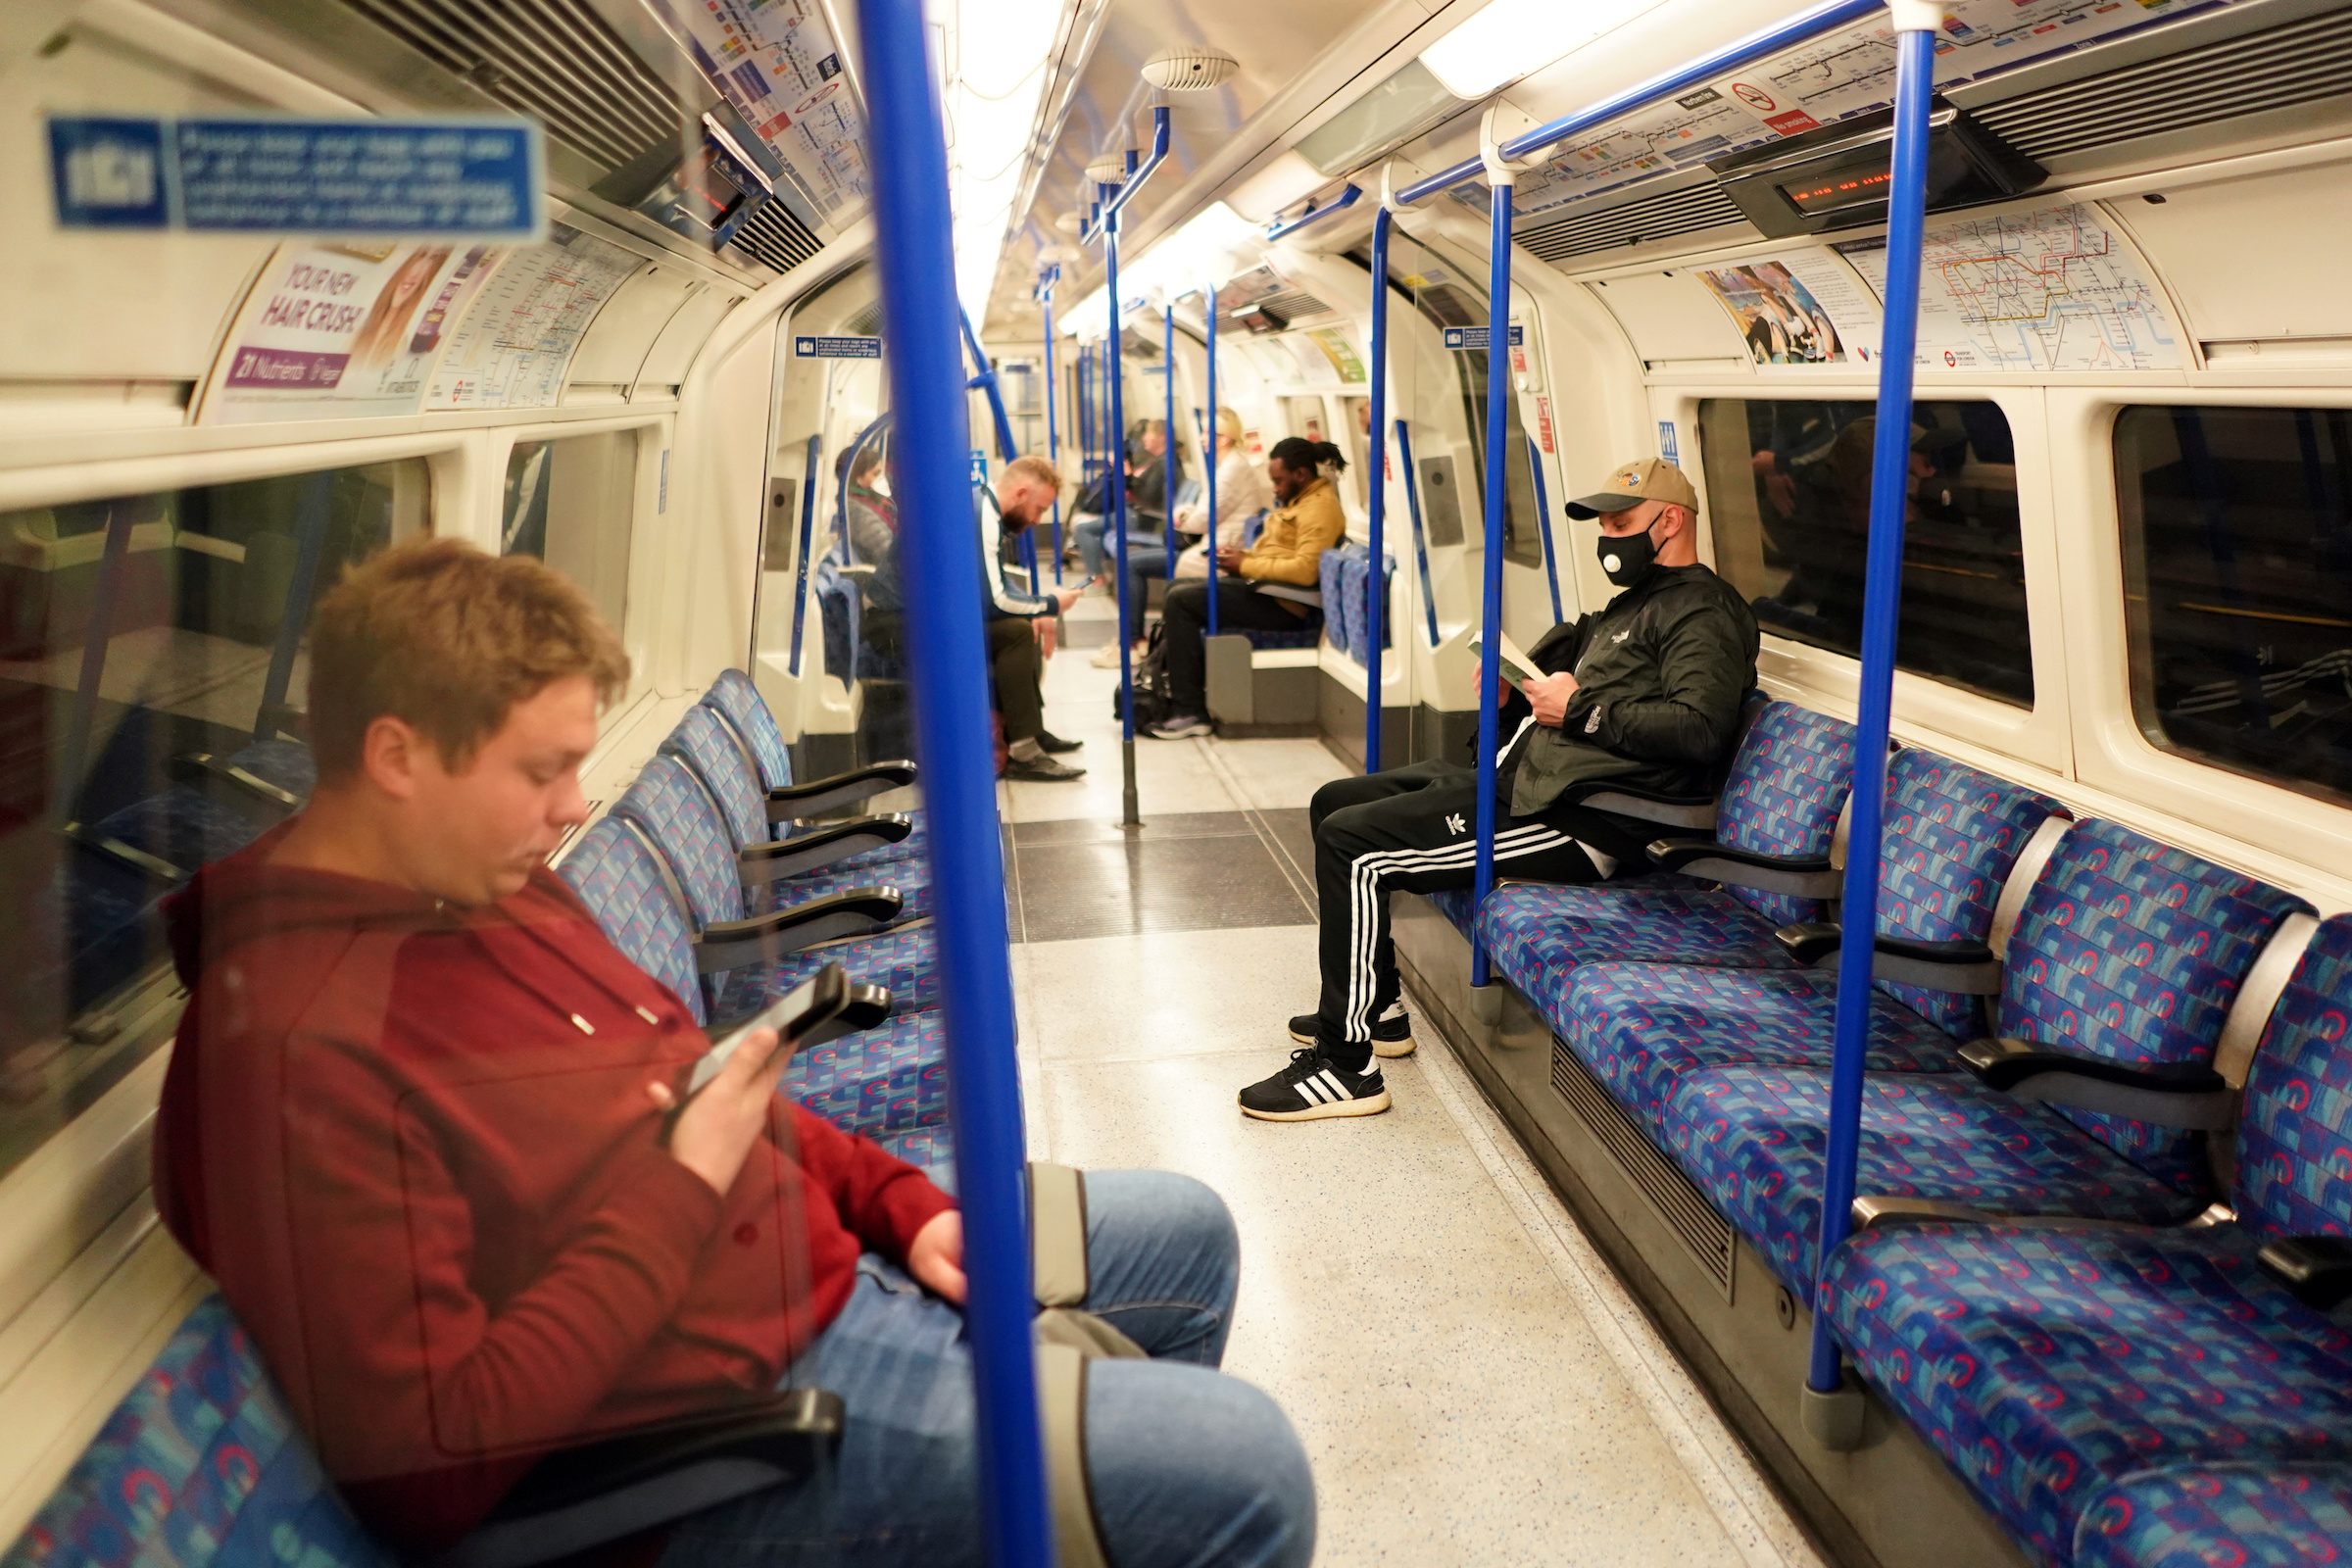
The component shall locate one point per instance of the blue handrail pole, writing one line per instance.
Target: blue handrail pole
(1412, 507)
(841, 491)
(1917, 22)
(1313, 215)
(949, 662)
(1053, 435)
(1759, 45)
(802, 567)
(1376, 589)
(1209, 451)
(1117, 197)
(1168, 467)
(1497, 491)
(984, 376)
(1551, 554)
(1128, 815)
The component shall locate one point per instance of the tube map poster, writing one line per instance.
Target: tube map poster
(778, 65)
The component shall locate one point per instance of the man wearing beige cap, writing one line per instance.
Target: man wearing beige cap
(1645, 694)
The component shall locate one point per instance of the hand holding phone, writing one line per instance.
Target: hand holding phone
(719, 1110)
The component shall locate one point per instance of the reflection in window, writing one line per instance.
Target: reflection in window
(570, 502)
(152, 684)
(2238, 588)
(1787, 495)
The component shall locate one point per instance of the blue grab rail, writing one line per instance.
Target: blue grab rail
(1881, 607)
(949, 666)
(1497, 493)
(1167, 468)
(1053, 434)
(1128, 813)
(803, 574)
(1551, 553)
(1412, 506)
(1208, 453)
(1119, 196)
(1313, 215)
(984, 376)
(840, 495)
(1376, 592)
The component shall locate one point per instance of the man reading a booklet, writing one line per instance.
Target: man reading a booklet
(1645, 693)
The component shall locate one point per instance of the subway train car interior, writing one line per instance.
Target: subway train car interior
(1033, 782)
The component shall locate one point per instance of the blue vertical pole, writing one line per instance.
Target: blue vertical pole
(1552, 555)
(1168, 467)
(801, 572)
(1489, 661)
(1376, 588)
(949, 662)
(1208, 457)
(1053, 437)
(1882, 605)
(1128, 816)
(1412, 507)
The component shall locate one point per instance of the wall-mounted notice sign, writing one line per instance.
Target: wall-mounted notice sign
(457, 176)
(343, 329)
(1475, 337)
(836, 348)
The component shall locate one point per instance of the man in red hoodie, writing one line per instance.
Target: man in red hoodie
(417, 1124)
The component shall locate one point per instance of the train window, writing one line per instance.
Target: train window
(151, 683)
(571, 502)
(1788, 496)
(2237, 587)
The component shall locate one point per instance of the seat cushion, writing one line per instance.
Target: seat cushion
(904, 962)
(2046, 1363)
(1752, 1138)
(933, 1148)
(1645, 1027)
(1538, 933)
(1307, 634)
(200, 1465)
(889, 1079)
(2197, 1516)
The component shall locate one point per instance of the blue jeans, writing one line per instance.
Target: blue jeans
(1188, 1467)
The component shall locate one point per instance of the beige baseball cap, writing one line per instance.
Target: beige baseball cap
(1643, 479)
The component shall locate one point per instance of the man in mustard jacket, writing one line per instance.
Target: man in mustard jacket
(1307, 521)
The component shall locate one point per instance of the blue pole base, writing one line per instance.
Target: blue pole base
(1835, 1419)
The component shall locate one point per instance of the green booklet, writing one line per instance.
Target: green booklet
(1517, 667)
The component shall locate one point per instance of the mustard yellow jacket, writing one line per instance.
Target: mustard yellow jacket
(1291, 549)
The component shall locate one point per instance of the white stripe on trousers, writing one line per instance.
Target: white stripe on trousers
(1363, 978)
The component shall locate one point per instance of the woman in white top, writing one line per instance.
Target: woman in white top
(1241, 486)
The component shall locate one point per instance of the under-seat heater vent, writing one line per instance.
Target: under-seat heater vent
(1684, 1209)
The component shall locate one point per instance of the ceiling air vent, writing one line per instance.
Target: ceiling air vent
(1677, 212)
(2297, 63)
(776, 238)
(867, 322)
(555, 59)
(1292, 303)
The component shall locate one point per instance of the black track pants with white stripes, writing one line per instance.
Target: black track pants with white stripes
(1407, 830)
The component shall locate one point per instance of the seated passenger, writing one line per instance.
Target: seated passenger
(1021, 625)
(1305, 523)
(872, 522)
(421, 1125)
(1647, 692)
(1146, 470)
(1242, 491)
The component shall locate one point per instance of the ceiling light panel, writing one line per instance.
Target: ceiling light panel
(1507, 40)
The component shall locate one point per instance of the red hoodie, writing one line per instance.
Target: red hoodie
(411, 1142)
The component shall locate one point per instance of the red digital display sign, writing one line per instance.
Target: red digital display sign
(1838, 191)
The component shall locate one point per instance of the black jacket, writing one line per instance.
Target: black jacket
(1661, 671)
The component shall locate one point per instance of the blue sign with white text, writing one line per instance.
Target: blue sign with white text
(1667, 448)
(462, 175)
(1475, 337)
(836, 348)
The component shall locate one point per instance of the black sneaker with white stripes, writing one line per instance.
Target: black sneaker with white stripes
(1393, 1036)
(1313, 1087)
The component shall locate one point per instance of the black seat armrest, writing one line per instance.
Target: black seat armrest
(1966, 967)
(1695, 811)
(787, 801)
(129, 856)
(618, 1486)
(763, 938)
(199, 766)
(2318, 1269)
(2180, 1093)
(761, 864)
(1807, 876)
(868, 1005)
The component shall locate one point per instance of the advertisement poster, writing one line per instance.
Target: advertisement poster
(511, 348)
(343, 329)
(1338, 352)
(777, 63)
(1802, 308)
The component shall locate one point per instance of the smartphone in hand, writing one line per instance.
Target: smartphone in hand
(816, 1002)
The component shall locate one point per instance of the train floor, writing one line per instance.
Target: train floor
(1472, 1382)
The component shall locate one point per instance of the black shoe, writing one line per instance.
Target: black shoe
(1040, 771)
(1393, 1036)
(1312, 1086)
(1055, 745)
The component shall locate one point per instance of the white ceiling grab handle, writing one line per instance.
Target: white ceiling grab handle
(1502, 122)
(1918, 16)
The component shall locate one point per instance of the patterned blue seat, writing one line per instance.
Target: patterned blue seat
(182, 827)
(1338, 615)
(678, 813)
(287, 764)
(1787, 782)
(702, 741)
(2198, 1516)
(2049, 1365)
(615, 872)
(2126, 949)
(734, 698)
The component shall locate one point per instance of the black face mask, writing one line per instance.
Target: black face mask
(1627, 557)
